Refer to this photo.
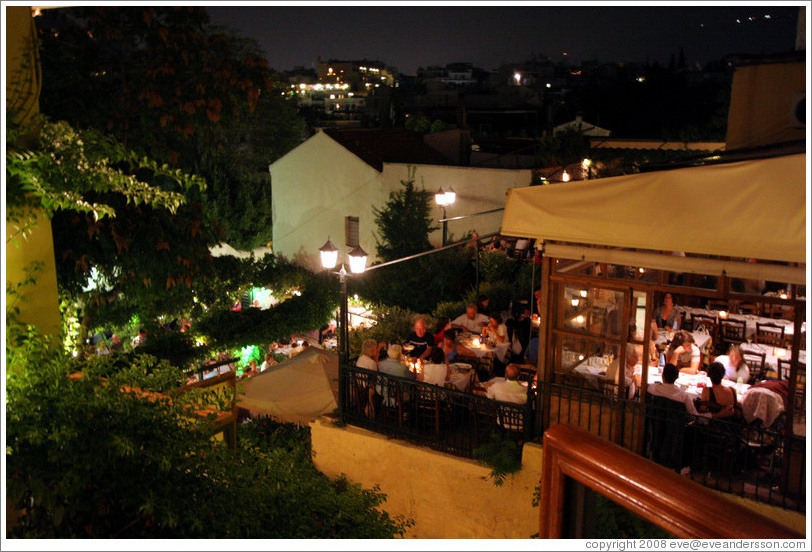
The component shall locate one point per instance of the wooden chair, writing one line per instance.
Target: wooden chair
(710, 324)
(770, 334)
(718, 305)
(216, 404)
(748, 308)
(784, 367)
(732, 331)
(527, 372)
(428, 404)
(756, 362)
(779, 311)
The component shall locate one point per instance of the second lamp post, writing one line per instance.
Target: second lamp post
(444, 199)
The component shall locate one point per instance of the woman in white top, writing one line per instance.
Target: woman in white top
(269, 361)
(436, 371)
(369, 351)
(495, 329)
(735, 367)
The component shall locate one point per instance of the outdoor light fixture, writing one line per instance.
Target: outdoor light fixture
(583, 293)
(575, 302)
(358, 260)
(329, 255)
(444, 199)
(565, 176)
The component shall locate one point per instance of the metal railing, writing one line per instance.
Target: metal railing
(441, 418)
(744, 460)
(729, 456)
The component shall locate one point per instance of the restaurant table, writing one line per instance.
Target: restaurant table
(461, 375)
(593, 369)
(750, 321)
(499, 350)
(763, 404)
(773, 354)
(691, 382)
(700, 338)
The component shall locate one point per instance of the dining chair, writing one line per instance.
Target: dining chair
(732, 331)
(770, 334)
(748, 308)
(784, 367)
(757, 364)
(718, 305)
(710, 324)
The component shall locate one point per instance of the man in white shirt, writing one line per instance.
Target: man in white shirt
(670, 391)
(510, 389)
(471, 321)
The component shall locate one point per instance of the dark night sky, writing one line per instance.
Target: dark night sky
(408, 37)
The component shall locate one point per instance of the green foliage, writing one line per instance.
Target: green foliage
(312, 308)
(172, 86)
(392, 323)
(419, 284)
(450, 309)
(424, 125)
(87, 459)
(404, 223)
(503, 456)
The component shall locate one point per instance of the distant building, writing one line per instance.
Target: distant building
(331, 184)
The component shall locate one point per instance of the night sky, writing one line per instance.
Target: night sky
(409, 37)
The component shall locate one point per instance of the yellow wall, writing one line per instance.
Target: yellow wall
(761, 102)
(42, 306)
(447, 496)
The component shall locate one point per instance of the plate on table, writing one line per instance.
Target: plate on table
(408, 348)
(461, 366)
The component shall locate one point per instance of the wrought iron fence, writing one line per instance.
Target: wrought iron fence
(441, 418)
(729, 456)
(733, 457)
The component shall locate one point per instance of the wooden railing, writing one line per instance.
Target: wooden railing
(675, 503)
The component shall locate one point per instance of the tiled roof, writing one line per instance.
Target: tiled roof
(376, 146)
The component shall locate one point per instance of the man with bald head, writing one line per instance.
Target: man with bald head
(508, 389)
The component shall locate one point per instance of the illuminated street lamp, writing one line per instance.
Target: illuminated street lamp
(357, 258)
(444, 199)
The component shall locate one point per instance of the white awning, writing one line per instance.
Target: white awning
(749, 209)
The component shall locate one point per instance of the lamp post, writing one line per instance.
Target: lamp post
(358, 261)
(444, 199)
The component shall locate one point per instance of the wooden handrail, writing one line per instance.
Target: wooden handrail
(675, 503)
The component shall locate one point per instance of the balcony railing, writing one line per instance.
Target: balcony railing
(441, 418)
(747, 461)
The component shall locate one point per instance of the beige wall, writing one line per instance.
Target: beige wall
(314, 187)
(447, 496)
(319, 183)
(761, 101)
(477, 190)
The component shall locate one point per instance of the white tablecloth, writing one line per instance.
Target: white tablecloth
(500, 350)
(461, 375)
(763, 404)
(749, 319)
(690, 382)
(771, 359)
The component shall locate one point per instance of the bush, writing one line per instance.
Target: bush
(86, 460)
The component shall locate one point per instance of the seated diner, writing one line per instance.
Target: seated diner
(421, 341)
(471, 321)
(507, 389)
(452, 349)
(735, 367)
(369, 353)
(436, 370)
(683, 353)
(718, 400)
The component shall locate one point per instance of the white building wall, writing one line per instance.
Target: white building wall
(314, 187)
(478, 189)
(319, 183)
